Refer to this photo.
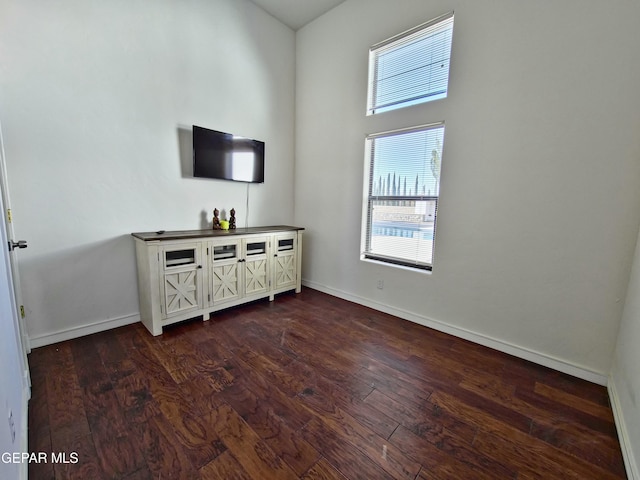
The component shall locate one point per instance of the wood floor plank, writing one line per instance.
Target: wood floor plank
(329, 363)
(251, 452)
(394, 383)
(539, 459)
(424, 419)
(554, 424)
(165, 457)
(190, 425)
(566, 412)
(477, 410)
(87, 464)
(444, 431)
(310, 386)
(574, 401)
(224, 467)
(67, 416)
(580, 441)
(323, 470)
(39, 434)
(441, 464)
(523, 373)
(273, 428)
(326, 395)
(276, 374)
(195, 432)
(89, 367)
(205, 389)
(142, 474)
(183, 360)
(341, 454)
(378, 449)
(491, 387)
(245, 333)
(119, 456)
(133, 391)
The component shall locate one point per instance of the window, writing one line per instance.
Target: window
(402, 199)
(412, 67)
(402, 182)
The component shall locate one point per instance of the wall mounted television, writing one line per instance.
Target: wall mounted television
(227, 157)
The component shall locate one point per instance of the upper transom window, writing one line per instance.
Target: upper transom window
(412, 67)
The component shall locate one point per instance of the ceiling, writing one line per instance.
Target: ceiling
(297, 13)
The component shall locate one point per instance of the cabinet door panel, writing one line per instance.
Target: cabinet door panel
(225, 274)
(285, 270)
(182, 292)
(256, 276)
(225, 282)
(285, 262)
(256, 265)
(181, 280)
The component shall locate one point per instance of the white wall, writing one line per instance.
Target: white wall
(94, 100)
(625, 375)
(540, 187)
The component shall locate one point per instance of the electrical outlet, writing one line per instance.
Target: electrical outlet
(12, 427)
(380, 284)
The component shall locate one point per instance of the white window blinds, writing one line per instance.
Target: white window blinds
(412, 67)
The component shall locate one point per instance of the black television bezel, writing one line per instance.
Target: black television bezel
(203, 168)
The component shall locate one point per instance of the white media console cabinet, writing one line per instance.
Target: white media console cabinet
(191, 273)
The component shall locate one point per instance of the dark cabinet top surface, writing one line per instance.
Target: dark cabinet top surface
(186, 234)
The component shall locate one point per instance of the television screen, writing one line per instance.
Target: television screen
(226, 156)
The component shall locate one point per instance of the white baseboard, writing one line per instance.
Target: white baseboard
(630, 463)
(545, 360)
(81, 331)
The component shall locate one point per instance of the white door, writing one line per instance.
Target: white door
(14, 373)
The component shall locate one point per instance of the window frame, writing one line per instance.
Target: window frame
(372, 107)
(369, 198)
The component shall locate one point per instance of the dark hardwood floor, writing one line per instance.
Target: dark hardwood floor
(310, 386)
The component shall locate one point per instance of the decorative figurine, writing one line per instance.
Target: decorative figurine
(216, 220)
(232, 219)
